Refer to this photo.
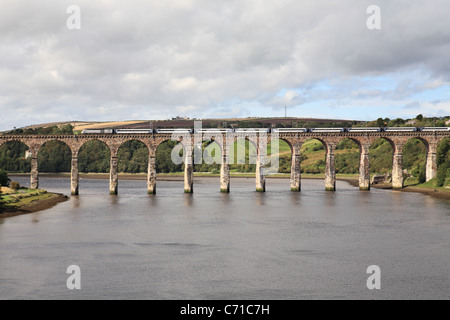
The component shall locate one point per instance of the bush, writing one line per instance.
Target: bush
(318, 147)
(4, 180)
(422, 174)
(14, 185)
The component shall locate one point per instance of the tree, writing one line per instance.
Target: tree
(419, 117)
(380, 122)
(4, 180)
(441, 175)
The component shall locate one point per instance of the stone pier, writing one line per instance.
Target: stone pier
(330, 168)
(431, 166)
(188, 173)
(364, 168)
(397, 170)
(225, 170)
(151, 175)
(34, 172)
(295, 169)
(74, 177)
(113, 176)
(260, 167)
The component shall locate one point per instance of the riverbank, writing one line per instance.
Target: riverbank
(441, 193)
(41, 200)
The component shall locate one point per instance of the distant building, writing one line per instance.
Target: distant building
(411, 122)
(447, 122)
(180, 118)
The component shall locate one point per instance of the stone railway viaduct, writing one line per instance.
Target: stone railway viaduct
(295, 140)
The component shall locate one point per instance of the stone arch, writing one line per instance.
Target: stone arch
(18, 139)
(394, 144)
(167, 137)
(95, 162)
(358, 142)
(104, 141)
(129, 138)
(247, 154)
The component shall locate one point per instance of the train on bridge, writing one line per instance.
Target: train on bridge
(265, 130)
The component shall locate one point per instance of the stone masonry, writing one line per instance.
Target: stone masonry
(295, 140)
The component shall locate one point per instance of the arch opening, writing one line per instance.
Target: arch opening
(348, 153)
(312, 157)
(54, 157)
(94, 157)
(415, 153)
(381, 154)
(132, 157)
(15, 157)
(284, 154)
(164, 163)
(210, 153)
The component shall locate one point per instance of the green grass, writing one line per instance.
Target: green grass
(427, 185)
(15, 201)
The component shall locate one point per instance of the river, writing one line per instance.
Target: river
(243, 245)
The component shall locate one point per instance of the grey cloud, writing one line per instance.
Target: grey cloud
(157, 56)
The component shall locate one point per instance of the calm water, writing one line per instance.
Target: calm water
(243, 245)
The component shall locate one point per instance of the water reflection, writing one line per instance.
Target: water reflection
(243, 245)
(260, 198)
(76, 201)
(188, 199)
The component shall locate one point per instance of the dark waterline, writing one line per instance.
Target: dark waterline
(243, 245)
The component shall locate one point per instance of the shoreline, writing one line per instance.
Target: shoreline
(430, 192)
(440, 194)
(36, 205)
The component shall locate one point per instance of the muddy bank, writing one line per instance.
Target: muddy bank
(441, 194)
(36, 205)
(430, 192)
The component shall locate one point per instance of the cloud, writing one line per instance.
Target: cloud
(158, 58)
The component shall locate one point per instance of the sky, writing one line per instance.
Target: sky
(151, 60)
